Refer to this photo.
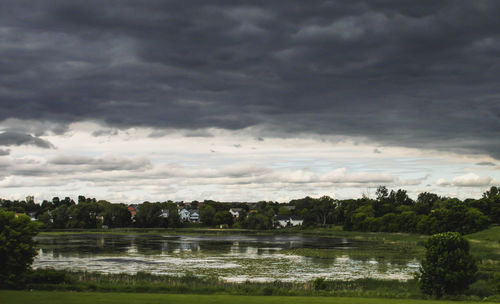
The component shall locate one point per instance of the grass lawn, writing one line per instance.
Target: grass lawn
(55, 297)
(485, 247)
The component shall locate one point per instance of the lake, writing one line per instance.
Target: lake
(231, 257)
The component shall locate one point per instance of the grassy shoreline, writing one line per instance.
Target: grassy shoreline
(335, 231)
(191, 284)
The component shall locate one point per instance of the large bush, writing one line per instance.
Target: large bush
(448, 267)
(16, 247)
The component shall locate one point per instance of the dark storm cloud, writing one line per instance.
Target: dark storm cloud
(4, 152)
(19, 139)
(410, 73)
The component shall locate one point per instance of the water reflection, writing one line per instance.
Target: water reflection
(231, 257)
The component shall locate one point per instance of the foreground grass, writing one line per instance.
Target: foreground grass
(55, 297)
(145, 282)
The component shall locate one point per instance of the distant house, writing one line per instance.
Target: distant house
(194, 216)
(133, 212)
(235, 212)
(184, 215)
(282, 220)
(32, 215)
(164, 213)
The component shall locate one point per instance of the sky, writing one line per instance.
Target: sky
(131, 101)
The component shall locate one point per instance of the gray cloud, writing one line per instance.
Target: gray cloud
(415, 74)
(198, 133)
(35, 127)
(105, 132)
(106, 163)
(4, 152)
(18, 139)
(485, 164)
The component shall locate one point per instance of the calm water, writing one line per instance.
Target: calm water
(231, 257)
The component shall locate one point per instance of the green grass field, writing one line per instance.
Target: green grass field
(54, 297)
(485, 247)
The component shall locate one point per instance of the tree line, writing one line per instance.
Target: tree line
(390, 211)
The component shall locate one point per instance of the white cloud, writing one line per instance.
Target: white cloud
(132, 166)
(342, 176)
(443, 182)
(472, 180)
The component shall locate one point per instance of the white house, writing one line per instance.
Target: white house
(164, 213)
(282, 220)
(235, 212)
(194, 216)
(184, 215)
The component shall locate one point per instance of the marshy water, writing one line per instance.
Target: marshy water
(233, 257)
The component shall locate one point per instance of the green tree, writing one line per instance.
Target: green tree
(324, 208)
(258, 221)
(425, 201)
(223, 218)
(17, 248)
(60, 217)
(45, 219)
(494, 191)
(116, 215)
(495, 209)
(284, 210)
(448, 267)
(148, 215)
(207, 214)
(84, 215)
(174, 220)
(382, 192)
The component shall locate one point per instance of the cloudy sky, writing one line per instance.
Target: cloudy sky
(248, 100)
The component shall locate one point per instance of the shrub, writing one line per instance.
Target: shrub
(16, 248)
(448, 267)
(481, 288)
(319, 284)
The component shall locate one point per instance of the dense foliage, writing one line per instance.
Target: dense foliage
(430, 214)
(16, 247)
(448, 267)
(390, 211)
